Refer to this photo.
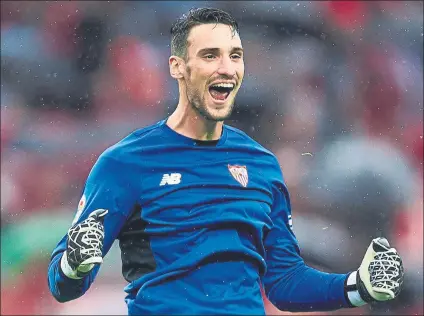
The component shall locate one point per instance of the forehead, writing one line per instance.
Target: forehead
(212, 35)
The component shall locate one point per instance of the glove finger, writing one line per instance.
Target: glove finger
(385, 294)
(92, 260)
(99, 214)
(87, 265)
(380, 245)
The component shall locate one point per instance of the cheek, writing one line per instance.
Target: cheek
(240, 71)
(198, 78)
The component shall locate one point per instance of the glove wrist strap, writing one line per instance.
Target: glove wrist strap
(363, 290)
(353, 293)
(66, 268)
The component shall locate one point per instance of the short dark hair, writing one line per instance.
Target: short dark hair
(194, 17)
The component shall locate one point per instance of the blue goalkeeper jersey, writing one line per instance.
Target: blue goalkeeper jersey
(201, 226)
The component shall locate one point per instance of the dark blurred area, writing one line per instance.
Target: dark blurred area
(334, 89)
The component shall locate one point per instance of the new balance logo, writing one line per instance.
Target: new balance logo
(173, 178)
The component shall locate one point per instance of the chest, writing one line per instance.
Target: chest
(181, 191)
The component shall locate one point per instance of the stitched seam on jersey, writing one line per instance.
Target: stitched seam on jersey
(192, 164)
(243, 134)
(194, 205)
(130, 187)
(146, 130)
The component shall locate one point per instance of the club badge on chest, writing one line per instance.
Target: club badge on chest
(239, 173)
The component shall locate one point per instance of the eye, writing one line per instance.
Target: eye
(209, 56)
(236, 56)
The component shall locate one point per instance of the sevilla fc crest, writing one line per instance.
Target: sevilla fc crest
(239, 173)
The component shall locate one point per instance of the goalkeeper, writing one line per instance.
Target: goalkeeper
(201, 211)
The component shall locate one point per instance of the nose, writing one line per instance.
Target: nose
(227, 67)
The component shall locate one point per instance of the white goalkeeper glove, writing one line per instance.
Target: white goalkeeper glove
(84, 246)
(380, 276)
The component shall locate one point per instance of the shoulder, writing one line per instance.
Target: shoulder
(130, 146)
(239, 137)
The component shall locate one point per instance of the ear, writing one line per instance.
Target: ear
(176, 67)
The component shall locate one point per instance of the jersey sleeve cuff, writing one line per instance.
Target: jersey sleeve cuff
(351, 291)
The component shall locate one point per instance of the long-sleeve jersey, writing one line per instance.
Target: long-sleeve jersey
(201, 226)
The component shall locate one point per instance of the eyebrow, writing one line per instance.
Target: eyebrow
(214, 50)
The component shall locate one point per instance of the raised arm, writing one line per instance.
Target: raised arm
(293, 286)
(74, 265)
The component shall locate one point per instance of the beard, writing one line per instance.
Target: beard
(198, 103)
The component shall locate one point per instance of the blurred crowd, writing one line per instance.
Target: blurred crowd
(334, 89)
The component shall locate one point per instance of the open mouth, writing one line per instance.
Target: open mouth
(221, 91)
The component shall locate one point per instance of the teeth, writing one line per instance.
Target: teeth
(224, 85)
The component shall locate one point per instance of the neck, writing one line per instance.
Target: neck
(186, 121)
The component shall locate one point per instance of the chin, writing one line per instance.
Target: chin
(214, 111)
(220, 113)
(215, 115)
(218, 116)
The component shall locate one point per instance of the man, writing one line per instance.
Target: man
(201, 211)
